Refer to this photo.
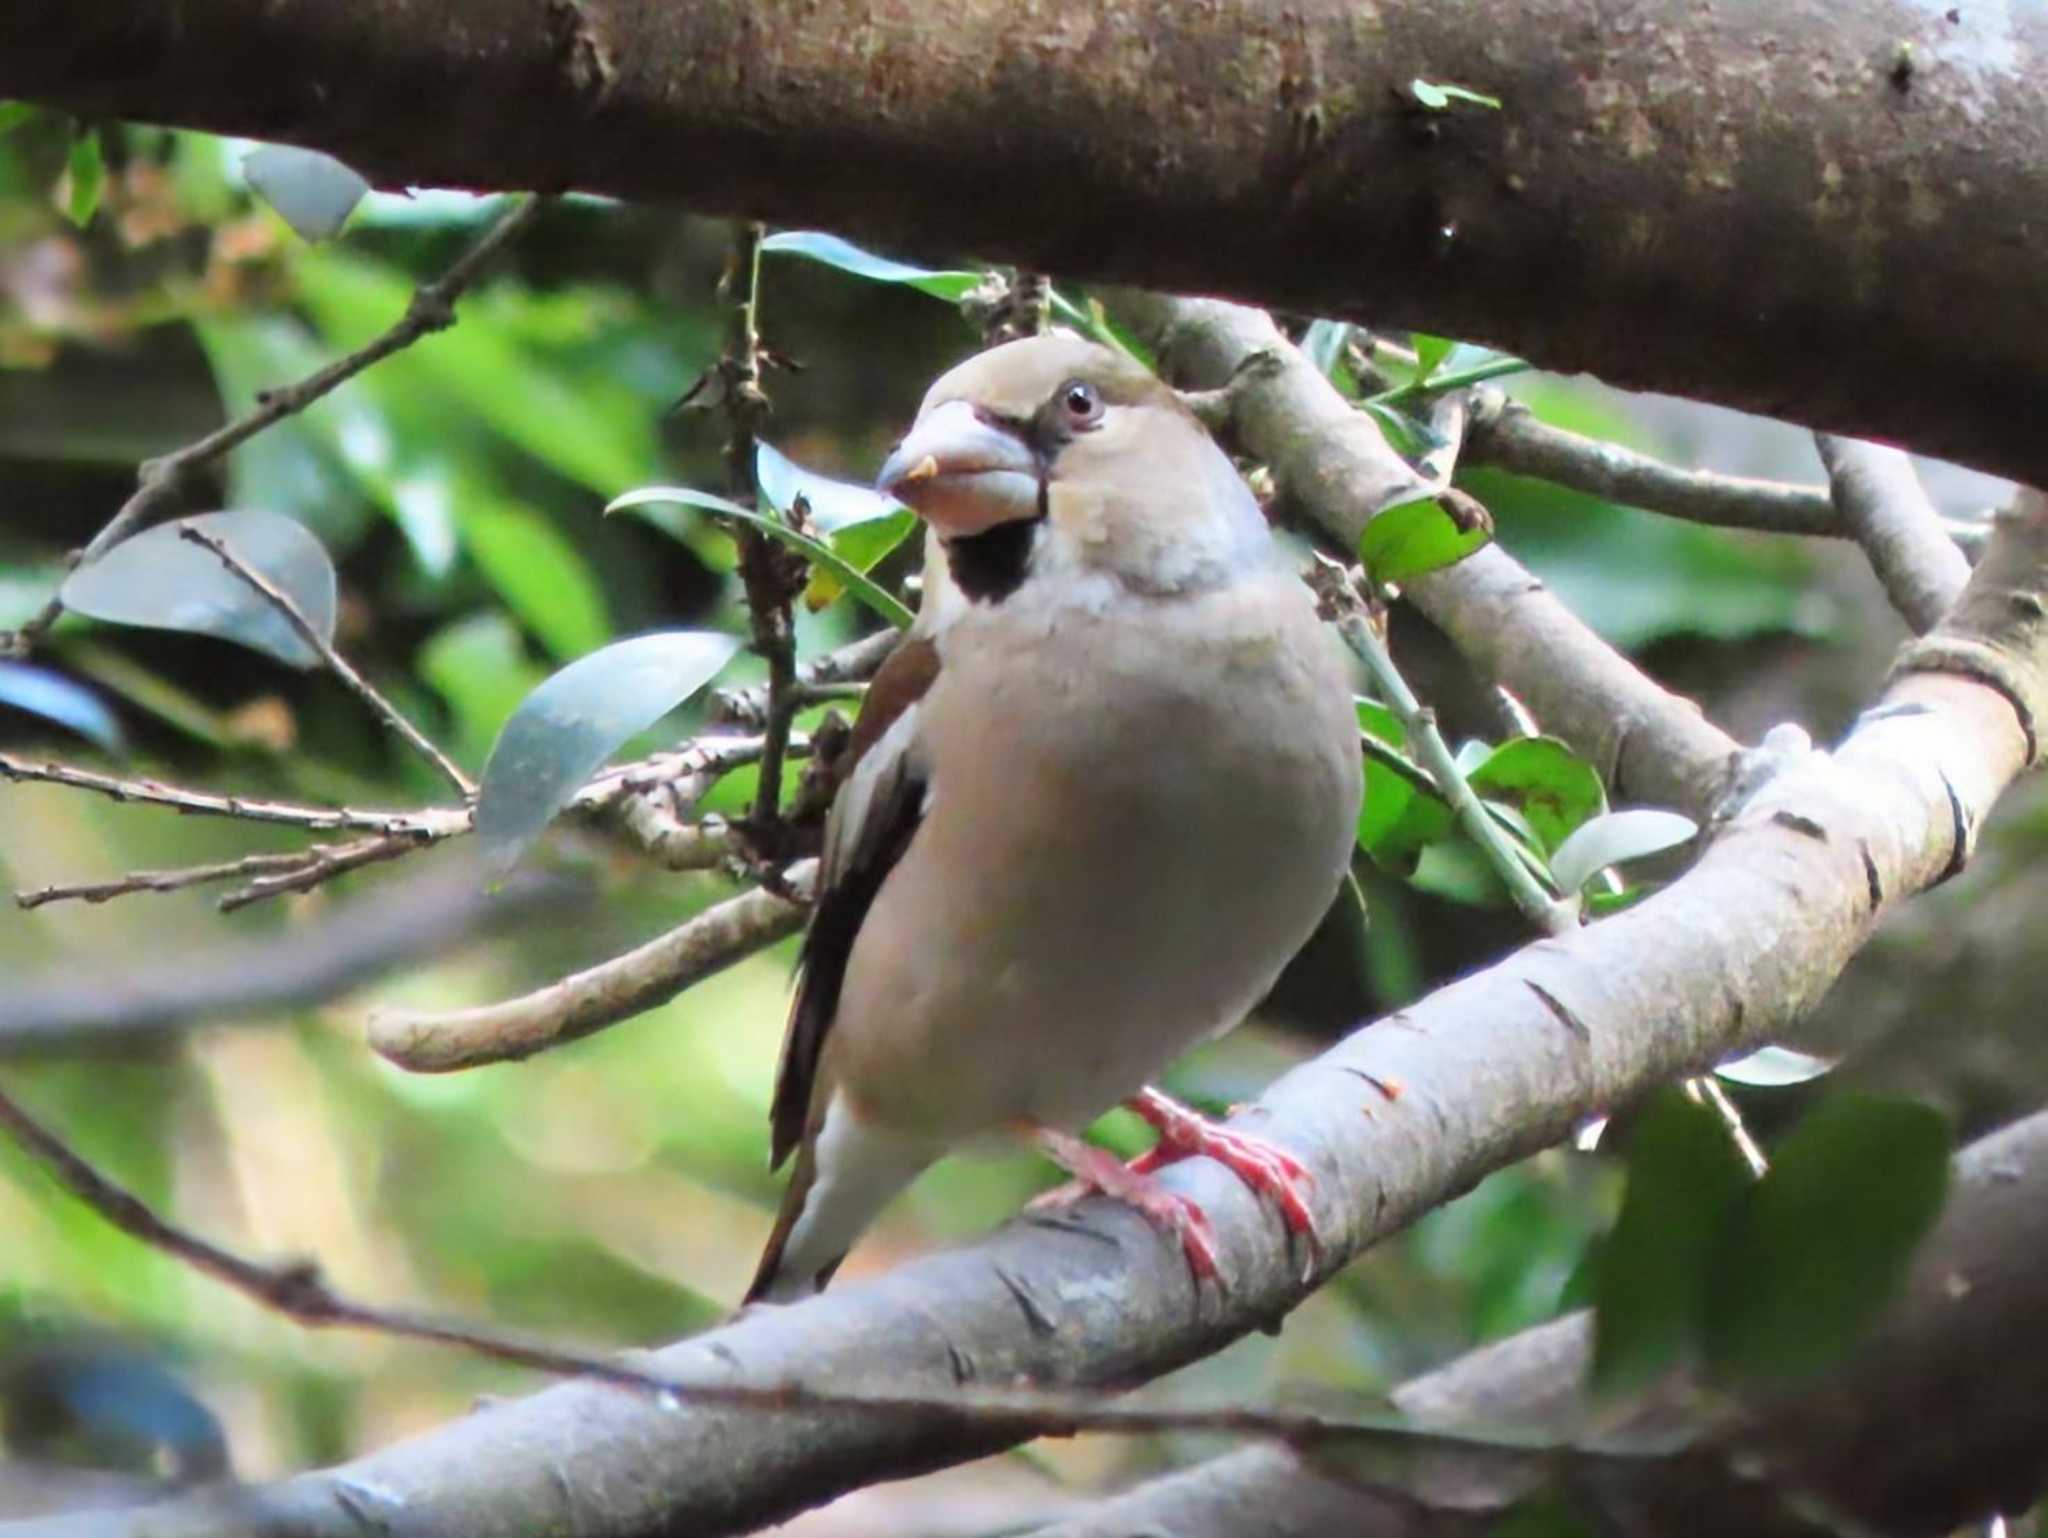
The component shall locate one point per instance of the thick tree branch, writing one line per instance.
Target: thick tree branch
(1613, 216)
(1330, 460)
(1392, 1121)
(1934, 1423)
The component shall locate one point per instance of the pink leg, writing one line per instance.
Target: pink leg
(1268, 1170)
(1097, 1169)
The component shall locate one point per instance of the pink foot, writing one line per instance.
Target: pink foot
(1096, 1169)
(1268, 1170)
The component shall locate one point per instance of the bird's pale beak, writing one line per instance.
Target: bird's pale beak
(960, 472)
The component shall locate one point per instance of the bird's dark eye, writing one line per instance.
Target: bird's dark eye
(1081, 401)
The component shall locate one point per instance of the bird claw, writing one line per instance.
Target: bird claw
(1268, 1169)
(1096, 1170)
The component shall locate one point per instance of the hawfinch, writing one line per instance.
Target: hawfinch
(1101, 795)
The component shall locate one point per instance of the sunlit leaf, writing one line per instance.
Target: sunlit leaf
(862, 546)
(1407, 540)
(1430, 351)
(821, 555)
(1686, 1182)
(1554, 789)
(847, 257)
(1823, 1245)
(314, 192)
(162, 580)
(1775, 1067)
(57, 698)
(87, 173)
(1615, 839)
(572, 723)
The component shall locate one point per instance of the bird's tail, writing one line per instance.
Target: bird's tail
(845, 1174)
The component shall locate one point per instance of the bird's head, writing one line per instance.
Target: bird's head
(1055, 452)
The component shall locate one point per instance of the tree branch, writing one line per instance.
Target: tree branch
(1330, 460)
(1857, 1439)
(1506, 435)
(1491, 1068)
(1601, 220)
(1886, 510)
(586, 1002)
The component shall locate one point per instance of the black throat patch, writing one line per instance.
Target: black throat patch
(991, 565)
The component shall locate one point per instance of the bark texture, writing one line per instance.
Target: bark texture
(1827, 210)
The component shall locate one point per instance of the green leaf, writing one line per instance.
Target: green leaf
(1402, 813)
(1412, 538)
(315, 193)
(14, 113)
(163, 581)
(1552, 787)
(576, 720)
(862, 546)
(1430, 351)
(88, 175)
(1686, 1185)
(1376, 720)
(1437, 98)
(847, 257)
(54, 697)
(1824, 1243)
(820, 555)
(1615, 839)
(536, 569)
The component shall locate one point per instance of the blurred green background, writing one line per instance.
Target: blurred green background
(613, 1192)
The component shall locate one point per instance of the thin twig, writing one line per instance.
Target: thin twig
(165, 880)
(642, 797)
(1507, 436)
(852, 663)
(339, 665)
(1707, 1090)
(160, 481)
(323, 862)
(429, 823)
(1341, 606)
(770, 573)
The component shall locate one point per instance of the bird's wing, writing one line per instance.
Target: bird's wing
(881, 801)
